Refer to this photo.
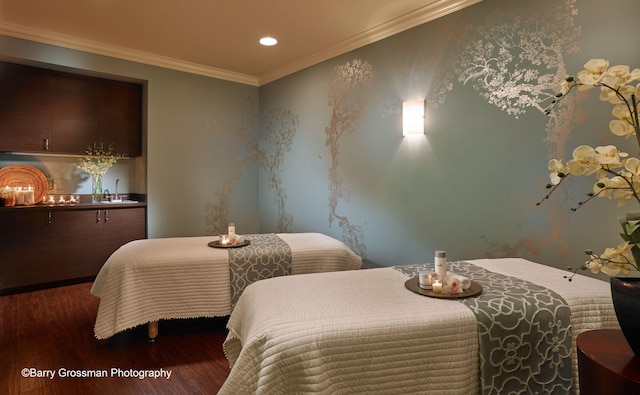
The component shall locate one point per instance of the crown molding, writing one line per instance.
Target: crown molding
(98, 48)
(425, 14)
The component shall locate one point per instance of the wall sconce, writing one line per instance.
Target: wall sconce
(413, 117)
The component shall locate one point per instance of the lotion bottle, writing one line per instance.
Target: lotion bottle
(441, 265)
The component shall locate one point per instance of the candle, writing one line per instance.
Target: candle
(224, 240)
(29, 197)
(19, 196)
(437, 286)
(425, 279)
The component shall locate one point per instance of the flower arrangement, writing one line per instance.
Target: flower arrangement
(97, 162)
(617, 174)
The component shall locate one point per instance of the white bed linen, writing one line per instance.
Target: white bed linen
(153, 279)
(363, 332)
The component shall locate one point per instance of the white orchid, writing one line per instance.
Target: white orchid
(617, 175)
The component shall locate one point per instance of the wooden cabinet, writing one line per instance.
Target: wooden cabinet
(26, 245)
(74, 113)
(25, 110)
(45, 111)
(39, 246)
(120, 116)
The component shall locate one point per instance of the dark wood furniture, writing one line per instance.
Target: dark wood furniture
(44, 246)
(606, 363)
(53, 112)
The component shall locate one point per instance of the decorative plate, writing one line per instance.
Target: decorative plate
(217, 244)
(23, 176)
(473, 290)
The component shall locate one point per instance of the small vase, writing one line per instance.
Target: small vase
(625, 293)
(96, 189)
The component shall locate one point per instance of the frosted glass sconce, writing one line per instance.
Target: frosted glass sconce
(413, 117)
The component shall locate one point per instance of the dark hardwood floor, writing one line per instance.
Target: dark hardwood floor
(52, 329)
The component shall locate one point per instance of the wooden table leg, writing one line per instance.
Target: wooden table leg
(152, 330)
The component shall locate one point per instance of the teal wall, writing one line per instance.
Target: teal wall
(470, 184)
(322, 150)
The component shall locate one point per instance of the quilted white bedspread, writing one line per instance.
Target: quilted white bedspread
(364, 332)
(154, 279)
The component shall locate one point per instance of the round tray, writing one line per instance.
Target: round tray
(216, 244)
(23, 176)
(473, 290)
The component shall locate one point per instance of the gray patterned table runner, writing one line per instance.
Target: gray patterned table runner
(267, 256)
(524, 332)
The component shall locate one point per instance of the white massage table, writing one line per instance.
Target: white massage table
(169, 278)
(364, 332)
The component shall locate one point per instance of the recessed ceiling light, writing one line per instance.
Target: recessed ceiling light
(268, 41)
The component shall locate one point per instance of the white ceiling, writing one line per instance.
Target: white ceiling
(218, 38)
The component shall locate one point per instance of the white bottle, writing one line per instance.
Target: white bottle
(232, 233)
(441, 265)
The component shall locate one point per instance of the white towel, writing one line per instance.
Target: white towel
(465, 281)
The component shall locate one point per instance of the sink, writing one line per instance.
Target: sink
(119, 201)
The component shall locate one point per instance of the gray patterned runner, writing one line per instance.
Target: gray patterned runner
(267, 256)
(524, 333)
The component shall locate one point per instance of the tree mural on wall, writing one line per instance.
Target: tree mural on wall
(347, 91)
(236, 133)
(242, 149)
(277, 134)
(516, 65)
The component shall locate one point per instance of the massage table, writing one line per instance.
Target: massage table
(145, 281)
(366, 332)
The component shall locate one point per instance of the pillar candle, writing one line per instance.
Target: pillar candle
(19, 196)
(29, 196)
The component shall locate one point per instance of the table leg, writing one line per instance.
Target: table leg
(152, 330)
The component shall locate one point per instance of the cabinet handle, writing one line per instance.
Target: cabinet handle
(97, 215)
(45, 144)
(106, 215)
(49, 218)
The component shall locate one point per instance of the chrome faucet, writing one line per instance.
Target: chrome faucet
(117, 181)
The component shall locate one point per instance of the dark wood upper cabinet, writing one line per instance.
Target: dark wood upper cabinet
(74, 108)
(45, 111)
(25, 109)
(120, 116)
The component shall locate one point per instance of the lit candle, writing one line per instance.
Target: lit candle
(224, 240)
(437, 286)
(29, 196)
(19, 196)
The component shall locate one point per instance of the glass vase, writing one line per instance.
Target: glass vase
(96, 189)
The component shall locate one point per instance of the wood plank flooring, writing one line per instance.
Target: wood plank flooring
(52, 329)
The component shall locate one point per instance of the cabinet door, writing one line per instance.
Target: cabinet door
(78, 243)
(25, 110)
(122, 225)
(120, 117)
(26, 247)
(74, 113)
